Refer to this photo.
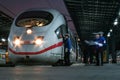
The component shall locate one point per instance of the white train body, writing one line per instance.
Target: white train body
(37, 35)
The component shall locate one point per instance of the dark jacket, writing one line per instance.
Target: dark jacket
(68, 44)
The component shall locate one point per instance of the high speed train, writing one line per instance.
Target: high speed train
(36, 35)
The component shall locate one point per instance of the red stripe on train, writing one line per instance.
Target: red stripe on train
(38, 52)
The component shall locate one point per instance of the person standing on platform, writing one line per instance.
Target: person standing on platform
(68, 47)
(103, 40)
(99, 42)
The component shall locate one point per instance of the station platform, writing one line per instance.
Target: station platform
(76, 71)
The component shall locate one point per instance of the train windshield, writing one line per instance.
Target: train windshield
(34, 19)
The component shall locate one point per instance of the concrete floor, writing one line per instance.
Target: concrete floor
(74, 72)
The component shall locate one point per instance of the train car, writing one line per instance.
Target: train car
(36, 35)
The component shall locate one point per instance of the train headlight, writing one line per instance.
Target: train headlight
(29, 31)
(17, 41)
(39, 40)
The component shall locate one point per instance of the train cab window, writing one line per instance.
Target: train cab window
(34, 19)
(58, 32)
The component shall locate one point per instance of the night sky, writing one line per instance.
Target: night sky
(13, 7)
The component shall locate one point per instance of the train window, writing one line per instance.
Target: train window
(34, 19)
(58, 32)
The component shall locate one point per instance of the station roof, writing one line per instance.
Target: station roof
(5, 22)
(94, 15)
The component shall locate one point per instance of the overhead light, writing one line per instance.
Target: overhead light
(78, 39)
(108, 35)
(116, 22)
(3, 39)
(111, 30)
